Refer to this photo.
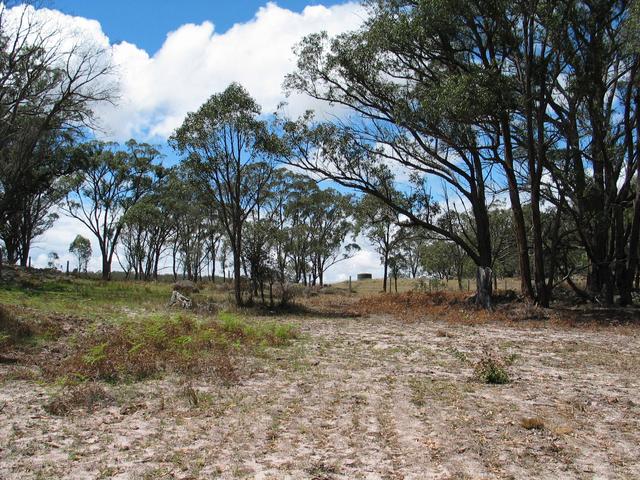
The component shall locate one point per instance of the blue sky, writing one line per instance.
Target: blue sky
(147, 22)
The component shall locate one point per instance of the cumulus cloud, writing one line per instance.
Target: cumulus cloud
(58, 239)
(156, 90)
(365, 261)
(195, 61)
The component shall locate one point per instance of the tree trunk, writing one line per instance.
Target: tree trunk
(237, 266)
(384, 275)
(106, 267)
(518, 215)
(631, 269)
(484, 287)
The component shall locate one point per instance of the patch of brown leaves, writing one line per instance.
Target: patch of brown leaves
(412, 306)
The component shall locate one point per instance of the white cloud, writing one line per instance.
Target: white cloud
(365, 261)
(195, 61)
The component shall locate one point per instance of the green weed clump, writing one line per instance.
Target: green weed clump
(271, 334)
(144, 349)
(491, 369)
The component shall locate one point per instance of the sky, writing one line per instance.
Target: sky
(171, 56)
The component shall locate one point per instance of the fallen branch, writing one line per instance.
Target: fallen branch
(177, 297)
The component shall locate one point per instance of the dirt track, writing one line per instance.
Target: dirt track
(356, 398)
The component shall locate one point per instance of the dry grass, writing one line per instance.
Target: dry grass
(363, 394)
(366, 288)
(12, 329)
(87, 395)
(532, 423)
(448, 306)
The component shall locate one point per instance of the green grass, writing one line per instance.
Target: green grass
(259, 333)
(86, 298)
(129, 333)
(139, 349)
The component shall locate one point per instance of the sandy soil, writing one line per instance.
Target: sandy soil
(355, 398)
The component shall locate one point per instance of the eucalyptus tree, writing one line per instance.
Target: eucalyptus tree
(594, 107)
(329, 222)
(404, 110)
(34, 216)
(409, 251)
(50, 83)
(380, 225)
(268, 233)
(81, 248)
(148, 226)
(110, 184)
(228, 147)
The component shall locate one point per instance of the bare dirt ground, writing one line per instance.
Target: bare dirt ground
(370, 397)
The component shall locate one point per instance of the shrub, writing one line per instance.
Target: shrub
(88, 395)
(12, 329)
(534, 423)
(491, 369)
(272, 334)
(140, 350)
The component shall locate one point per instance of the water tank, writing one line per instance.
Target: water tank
(365, 276)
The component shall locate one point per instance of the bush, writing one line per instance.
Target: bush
(491, 369)
(88, 395)
(141, 350)
(12, 329)
(271, 334)
(533, 423)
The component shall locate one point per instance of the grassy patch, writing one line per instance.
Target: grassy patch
(12, 329)
(88, 298)
(272, 334)
(139, 349)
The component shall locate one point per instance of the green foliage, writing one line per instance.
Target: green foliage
(272, 334)
(111, 182)
(81, 248)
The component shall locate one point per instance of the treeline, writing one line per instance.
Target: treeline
(501, 137)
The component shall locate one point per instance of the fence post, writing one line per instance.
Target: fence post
(67, 267)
